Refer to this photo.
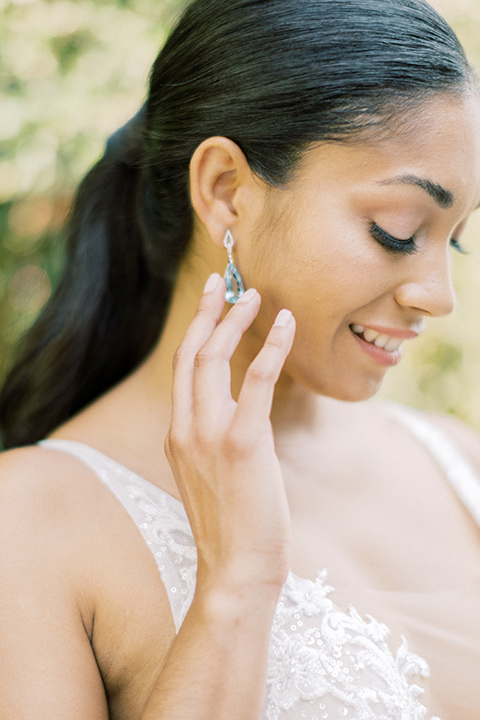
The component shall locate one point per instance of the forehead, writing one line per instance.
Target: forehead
(438, 142)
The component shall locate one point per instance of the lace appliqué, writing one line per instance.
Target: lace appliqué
(323, 663)
(167, 533)
(338, 662)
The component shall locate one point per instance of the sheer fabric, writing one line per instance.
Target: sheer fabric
(324, 662)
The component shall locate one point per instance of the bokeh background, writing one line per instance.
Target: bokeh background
(72, 71)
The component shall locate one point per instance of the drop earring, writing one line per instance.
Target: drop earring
(233, 279)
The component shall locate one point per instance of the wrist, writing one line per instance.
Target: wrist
(233, 598)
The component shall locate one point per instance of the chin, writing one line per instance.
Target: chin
(351, 388)
(357, 394)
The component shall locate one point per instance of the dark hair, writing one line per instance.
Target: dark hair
(271, 75)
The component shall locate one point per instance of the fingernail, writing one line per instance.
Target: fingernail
(283, 318)
(247, 296)
(211, 283)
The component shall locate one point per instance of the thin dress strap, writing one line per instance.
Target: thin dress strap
(160, 518)
(323, 661)
(462, 477)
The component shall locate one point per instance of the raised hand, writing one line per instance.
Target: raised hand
(222, 452)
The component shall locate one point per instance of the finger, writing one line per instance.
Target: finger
(256, 395)
(206, 319)
(211, 383)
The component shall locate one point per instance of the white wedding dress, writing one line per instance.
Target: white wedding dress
(325, 663)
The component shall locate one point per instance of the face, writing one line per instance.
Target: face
(360, 246)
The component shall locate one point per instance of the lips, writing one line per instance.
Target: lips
(380, 340)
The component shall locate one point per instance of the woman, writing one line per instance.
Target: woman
(334, 150)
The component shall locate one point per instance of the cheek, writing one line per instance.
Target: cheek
(326, 277)
(333, 271)
(323, 266)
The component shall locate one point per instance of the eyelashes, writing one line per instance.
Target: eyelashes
(392, 244)
(403, 247)
(458, 247)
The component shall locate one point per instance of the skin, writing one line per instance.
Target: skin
(312, 247)
(306, 470)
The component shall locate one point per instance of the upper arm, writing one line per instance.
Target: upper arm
(48, 668)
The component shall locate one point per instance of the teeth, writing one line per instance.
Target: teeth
(393, 344)
(370, 335)
(381, 341)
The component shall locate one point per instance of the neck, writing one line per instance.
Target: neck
(293, 405)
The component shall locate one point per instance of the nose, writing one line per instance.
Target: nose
(428, 287)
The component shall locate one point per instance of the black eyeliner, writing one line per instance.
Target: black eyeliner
(458, 247)
(392, 244)
(404, 247)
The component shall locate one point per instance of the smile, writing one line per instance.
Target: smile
(385, 342)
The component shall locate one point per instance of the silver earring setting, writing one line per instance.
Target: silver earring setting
(233, 279)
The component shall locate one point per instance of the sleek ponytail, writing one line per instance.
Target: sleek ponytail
(274, 76)
(108, 309)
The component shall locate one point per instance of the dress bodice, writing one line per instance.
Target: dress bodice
(324, 662)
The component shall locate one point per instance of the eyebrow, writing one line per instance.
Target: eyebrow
(442, 197)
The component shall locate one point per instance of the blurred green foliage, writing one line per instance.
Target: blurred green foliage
(71, 71)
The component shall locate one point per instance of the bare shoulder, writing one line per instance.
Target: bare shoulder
(32, 466)
(43, 487)
(46, 611)
(45, 506)
(462, 436)
(31, 476)
(53, 502)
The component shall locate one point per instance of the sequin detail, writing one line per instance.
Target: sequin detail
(160, 518)
(324, 663)
(318, 652)
(167, 533)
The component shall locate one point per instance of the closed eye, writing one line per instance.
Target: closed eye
(393, 244)
(404, 247)
(458, 246)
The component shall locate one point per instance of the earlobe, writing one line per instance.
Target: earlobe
(217, 170)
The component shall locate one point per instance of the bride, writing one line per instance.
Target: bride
(251, 535)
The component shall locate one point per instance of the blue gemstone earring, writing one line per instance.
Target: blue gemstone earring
(233, 279)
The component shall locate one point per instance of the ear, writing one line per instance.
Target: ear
(220, 179)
